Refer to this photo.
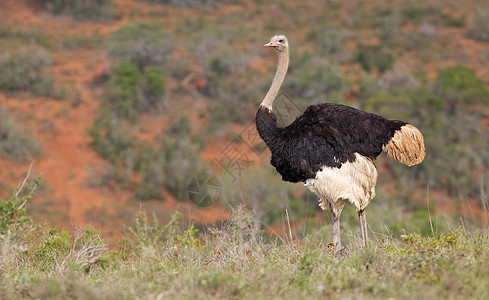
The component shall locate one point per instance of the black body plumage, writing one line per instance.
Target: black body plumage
(324, 135)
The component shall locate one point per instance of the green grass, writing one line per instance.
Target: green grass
(233, 259)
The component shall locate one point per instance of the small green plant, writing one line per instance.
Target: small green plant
(189, 237)
(13, 210)
(53, 246)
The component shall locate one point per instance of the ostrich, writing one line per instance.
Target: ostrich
(331, 148)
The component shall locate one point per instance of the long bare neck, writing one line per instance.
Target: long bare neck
(283, 63)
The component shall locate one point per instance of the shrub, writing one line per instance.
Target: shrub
(111, 138)
(13, 210)
(457, 155)
(330, 39)
(191, 3)
(182, 162)
(94, 41)
(9, 35)
(169, 165)
(314, 79)
(25, 71)
(459, 84)
(479, 30)
(15, 142)
(131, 91)
(416, 12)
(373, 57)
(99, 10)
(141, 43)
(398, 107)
(398, 77)
(232, 87)
(452, 21)
(153, 175)
(172, 164)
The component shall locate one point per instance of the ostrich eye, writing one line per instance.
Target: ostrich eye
(280, 41)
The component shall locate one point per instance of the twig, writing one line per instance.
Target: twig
(22, 186)
(19, 188)
(483, 199)
(288, 223)
(429, 213)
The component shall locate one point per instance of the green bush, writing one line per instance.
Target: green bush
(25, 71)
(141, 43)
(98, 10)
(15, 142)
(459, 84)
(111, 138)
(13, 216)
(131, 91)
(375, 57)
(398, 107)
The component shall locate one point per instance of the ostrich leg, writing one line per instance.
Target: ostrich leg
(335, 220)
(363, 225)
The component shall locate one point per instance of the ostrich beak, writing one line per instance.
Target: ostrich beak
(272, 44)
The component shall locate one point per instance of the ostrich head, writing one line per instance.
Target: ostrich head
(279, 42)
